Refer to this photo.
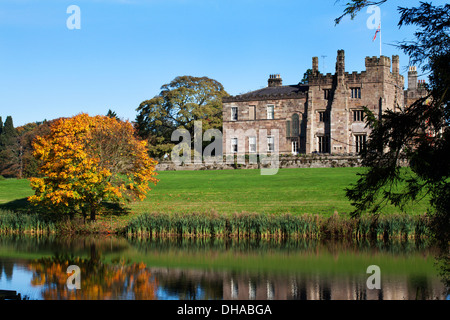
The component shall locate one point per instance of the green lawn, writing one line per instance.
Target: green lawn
(316, 191)
(13, 193)
(312, 190)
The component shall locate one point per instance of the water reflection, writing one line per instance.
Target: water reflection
(196, 269)
(99, 280)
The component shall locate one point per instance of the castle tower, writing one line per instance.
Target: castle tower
(395, 65)
(338, 126)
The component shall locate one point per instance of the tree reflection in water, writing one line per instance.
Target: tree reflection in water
(99, 280)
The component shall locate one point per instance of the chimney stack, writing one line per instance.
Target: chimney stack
(275, 80)
(315, 65)
(412, 78)
(340, 66)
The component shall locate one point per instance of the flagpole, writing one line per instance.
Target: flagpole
(380, 39)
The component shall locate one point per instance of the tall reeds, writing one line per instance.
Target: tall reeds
(253, 225)
(12, 222)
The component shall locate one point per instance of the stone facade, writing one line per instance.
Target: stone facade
(323, 116)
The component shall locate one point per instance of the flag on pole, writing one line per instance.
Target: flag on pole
(376, 32)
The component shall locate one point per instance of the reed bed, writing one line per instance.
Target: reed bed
(16, 223)
(253, 225)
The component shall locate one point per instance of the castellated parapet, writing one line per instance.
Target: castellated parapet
(324, 115)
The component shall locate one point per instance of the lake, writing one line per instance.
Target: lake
(118, 268)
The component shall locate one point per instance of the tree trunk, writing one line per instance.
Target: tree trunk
(93, 212)
(83, 211)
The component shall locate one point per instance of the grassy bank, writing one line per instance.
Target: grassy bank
(296, 191)
(185, 198)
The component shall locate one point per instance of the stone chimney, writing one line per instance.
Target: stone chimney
(315, 65)
(340, 66)
(412, 78)
(275, 80)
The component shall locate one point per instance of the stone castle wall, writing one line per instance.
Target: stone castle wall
(302, 161)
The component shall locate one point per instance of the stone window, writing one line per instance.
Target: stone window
(270, 144)
(252, 144)
(294, 146)
(295, 125)
(234, 145)
(360, 142)
(234, 113)
(288, 128)
(251, 113)
(356, 93)
(323, 116)
(324, 144)
(358, 115)
(270, 112)
(326, 94)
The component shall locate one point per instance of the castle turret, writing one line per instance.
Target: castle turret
(395, 65)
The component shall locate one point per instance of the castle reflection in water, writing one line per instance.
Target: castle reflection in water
(229, 286)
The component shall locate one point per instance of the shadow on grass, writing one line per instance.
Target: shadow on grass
(24, 206)
(19, 205)
(116, 209)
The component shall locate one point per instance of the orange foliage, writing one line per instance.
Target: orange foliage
(99, 281)
(86, 160)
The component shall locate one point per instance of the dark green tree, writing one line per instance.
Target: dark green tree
(9, 150)
(419, 133)
(112, 114)
(181, 102)
(27, 133)
(306, 76)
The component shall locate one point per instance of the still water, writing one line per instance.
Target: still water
(140, 269)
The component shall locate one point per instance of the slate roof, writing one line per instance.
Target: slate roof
(280, 92)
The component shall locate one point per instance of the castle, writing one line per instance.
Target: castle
(324, 115)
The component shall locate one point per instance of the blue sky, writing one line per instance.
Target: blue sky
(127, 49)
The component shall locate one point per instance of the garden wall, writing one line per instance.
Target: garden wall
(302, 161)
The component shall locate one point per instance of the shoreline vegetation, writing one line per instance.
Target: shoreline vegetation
(237, 225)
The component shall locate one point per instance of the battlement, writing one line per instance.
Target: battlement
(353, 77)
(378, 62)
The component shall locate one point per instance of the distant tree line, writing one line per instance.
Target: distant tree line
(16, 159)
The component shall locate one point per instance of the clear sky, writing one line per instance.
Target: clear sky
(125, 50)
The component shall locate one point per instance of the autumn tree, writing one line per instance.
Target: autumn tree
(86, 161)
(181, 102)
